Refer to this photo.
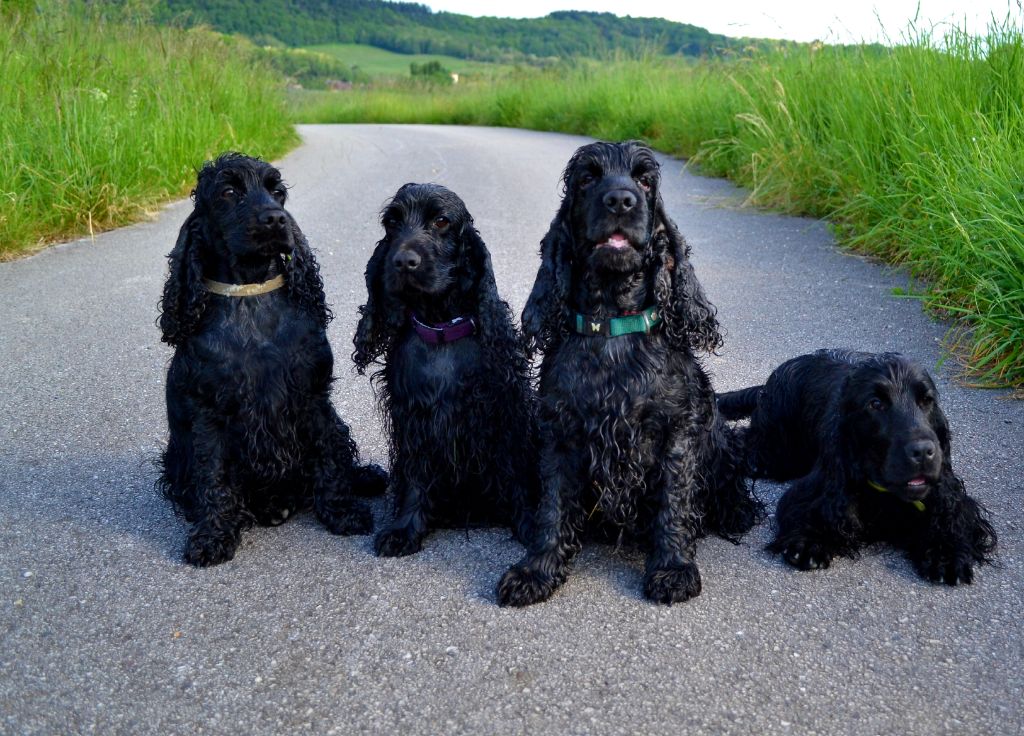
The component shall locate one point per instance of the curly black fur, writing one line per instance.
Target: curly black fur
(460, 414)
(842, 423)
(253, 435)
(630, 436)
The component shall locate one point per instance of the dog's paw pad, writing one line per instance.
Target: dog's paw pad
(206, 550)
(353, 518)
(672, 585)
(951, 569)
(807, 556)
(397, 542)
(523, 587)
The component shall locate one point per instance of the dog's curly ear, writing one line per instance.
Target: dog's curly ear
(381, 317)
(184, 296)
(492, 314)
(690, 319)
(546, 315)
(305, 285)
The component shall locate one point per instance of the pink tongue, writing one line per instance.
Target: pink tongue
(617, 241)
(916, 482)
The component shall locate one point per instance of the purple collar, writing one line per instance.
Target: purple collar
(446, 332)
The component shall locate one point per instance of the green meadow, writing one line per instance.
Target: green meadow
(103, 118)
(376, 62)
(915, 153)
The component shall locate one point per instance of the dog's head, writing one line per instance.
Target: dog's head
(242, 200)
(427, 230)
(431, 260)
(898, 436)
(238, 225)
(611, 226)
(613, 197)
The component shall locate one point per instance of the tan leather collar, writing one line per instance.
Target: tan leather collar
(218, 287)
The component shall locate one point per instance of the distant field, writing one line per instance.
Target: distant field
(380, 62)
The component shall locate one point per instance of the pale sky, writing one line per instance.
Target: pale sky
(827, 20)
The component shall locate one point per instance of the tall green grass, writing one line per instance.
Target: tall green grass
(915, 152)
(102, 117)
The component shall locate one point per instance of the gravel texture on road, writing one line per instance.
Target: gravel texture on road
(105, 630)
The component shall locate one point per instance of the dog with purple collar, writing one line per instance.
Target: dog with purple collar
(452, 380)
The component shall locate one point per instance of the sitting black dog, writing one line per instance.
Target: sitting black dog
(454, 388)
(865, 438)
(253, 435)
(631, 439)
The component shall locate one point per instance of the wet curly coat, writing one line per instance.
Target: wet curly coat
(631, 439)
(459, 415)
(253, 435)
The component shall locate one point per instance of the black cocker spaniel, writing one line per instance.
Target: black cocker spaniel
(454, 388)
(869, 447)
(631, 438)
(253, 435)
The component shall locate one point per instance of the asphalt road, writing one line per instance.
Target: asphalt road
(103, 629)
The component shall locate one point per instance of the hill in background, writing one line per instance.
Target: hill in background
(412, 28)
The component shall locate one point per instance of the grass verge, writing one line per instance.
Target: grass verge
(104, 117)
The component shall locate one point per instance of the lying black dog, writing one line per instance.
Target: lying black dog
(454, 389)
(631, 439)
(253, 435)
(865, 438)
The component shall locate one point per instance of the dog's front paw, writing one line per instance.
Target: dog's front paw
(397, 542)
(948, 566)
(670, 585)
(522, 586)
(346, 516)
(805, 554)
(205, 550)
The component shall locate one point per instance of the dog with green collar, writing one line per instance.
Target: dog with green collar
(868, 453)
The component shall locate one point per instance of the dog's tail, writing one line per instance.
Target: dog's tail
(738, 404)
(369, 480)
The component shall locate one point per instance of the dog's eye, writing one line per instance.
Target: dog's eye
(644, 182)
(926, 401)
(390, 222)
(278, 193)
(441, 222)
(586, 179)
(876, 404)
(228, 193)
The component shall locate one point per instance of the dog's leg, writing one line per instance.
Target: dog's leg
(815, 522)
(555, 536)
(329, 469)
(404, 535)
(219, 513)
(672, 575)
(729, 507)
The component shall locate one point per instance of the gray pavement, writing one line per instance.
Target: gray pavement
(104, 630)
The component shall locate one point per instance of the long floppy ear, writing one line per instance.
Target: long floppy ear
(381, 317)
(690, 319)
(547, 310)
(494, 318)
(304, 282)
(184, 295)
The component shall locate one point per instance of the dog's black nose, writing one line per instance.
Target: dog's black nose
(406, 260)
(619, 201)
(921, 451)
(272, 218)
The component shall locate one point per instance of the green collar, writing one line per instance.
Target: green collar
(919, 505)
(643, 322)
